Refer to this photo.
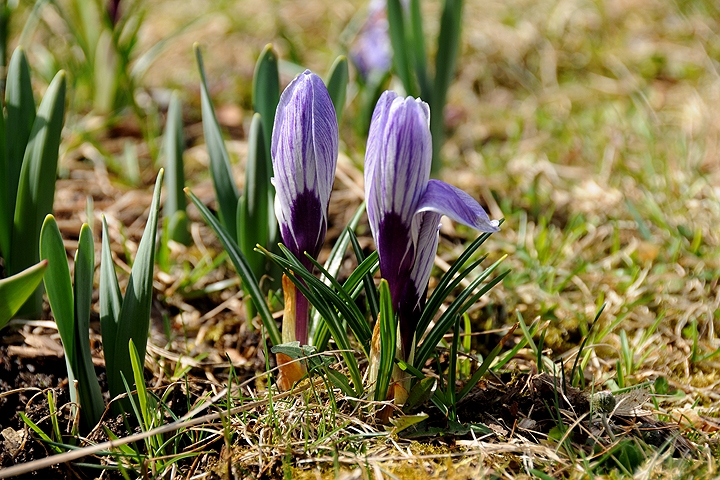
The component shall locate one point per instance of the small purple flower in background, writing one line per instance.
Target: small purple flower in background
(404, 206)
(371, 51)
(304, 155)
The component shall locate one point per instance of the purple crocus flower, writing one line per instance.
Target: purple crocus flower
(404, 206)
(371, 51)
(304, 155)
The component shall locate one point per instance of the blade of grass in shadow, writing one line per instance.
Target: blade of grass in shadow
(134, 319)
(265, 99)
(16, 289)
(242, 267)
(5, 225)
(225, 189)
(337, 80)
(418, 50)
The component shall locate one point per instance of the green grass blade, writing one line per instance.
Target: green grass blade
(225, 189)
(254, 209)
(36, 189)
(91, 400)
(388, 333)
(134, 321)
(142, 395)
(174, 144)
(5, 216)
(16, 289)
(452, 369)
(401, 60)
(266, 95)
(458, 307)
(250, 284)
(483, 368)
(320, 334)
(418, 50)
(445, 59)
(110, 300)
(369, 285)
(20, 105)
(58, 286)
(337, 81)
(447, 284)
(327, 312)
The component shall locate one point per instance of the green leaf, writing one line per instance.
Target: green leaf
(463, 301)
(337, 81)
(368, 283)
(254, 209)
(20, 105)
(58, 286)
(36, 188)
(5, 216)
(420, 393)
(417, 45)
(91, 400)
(401, 60)
(134, 320)
(266, 96)
(388, 334)
(174, 146)
(16, 289)
(445, 58)
(110, 300)
(406, 421)
(225, 189)
(250, 284)
(320, 333)
(138, 363)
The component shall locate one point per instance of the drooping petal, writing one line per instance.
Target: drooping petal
(304, 153)
(443, 198)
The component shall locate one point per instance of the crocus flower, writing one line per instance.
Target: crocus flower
(371, 51)
(304, 155)
(404, 206)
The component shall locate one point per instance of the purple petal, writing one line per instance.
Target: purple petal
(304, 153)
(445, 199)
(398, 158)
(425, 232)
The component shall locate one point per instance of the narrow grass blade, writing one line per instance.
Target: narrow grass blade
(418, 50)
(458, 307)
(266, 95)
(447, 51)
(337, 81)
(174, 145)
(254, 214)
(320, 334)
(134, 320)
(483, 368)
(388, 333)
(327, 312)
(58, 285)
(370, 290)
(110, 300)
(91, 400)
(20, 105)
(36, 189)
(225, 189)
(446, 285)
(398, 40)
(5, 216)
(142, 395)
(452, 369)
(250, 284)
(16, 289)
